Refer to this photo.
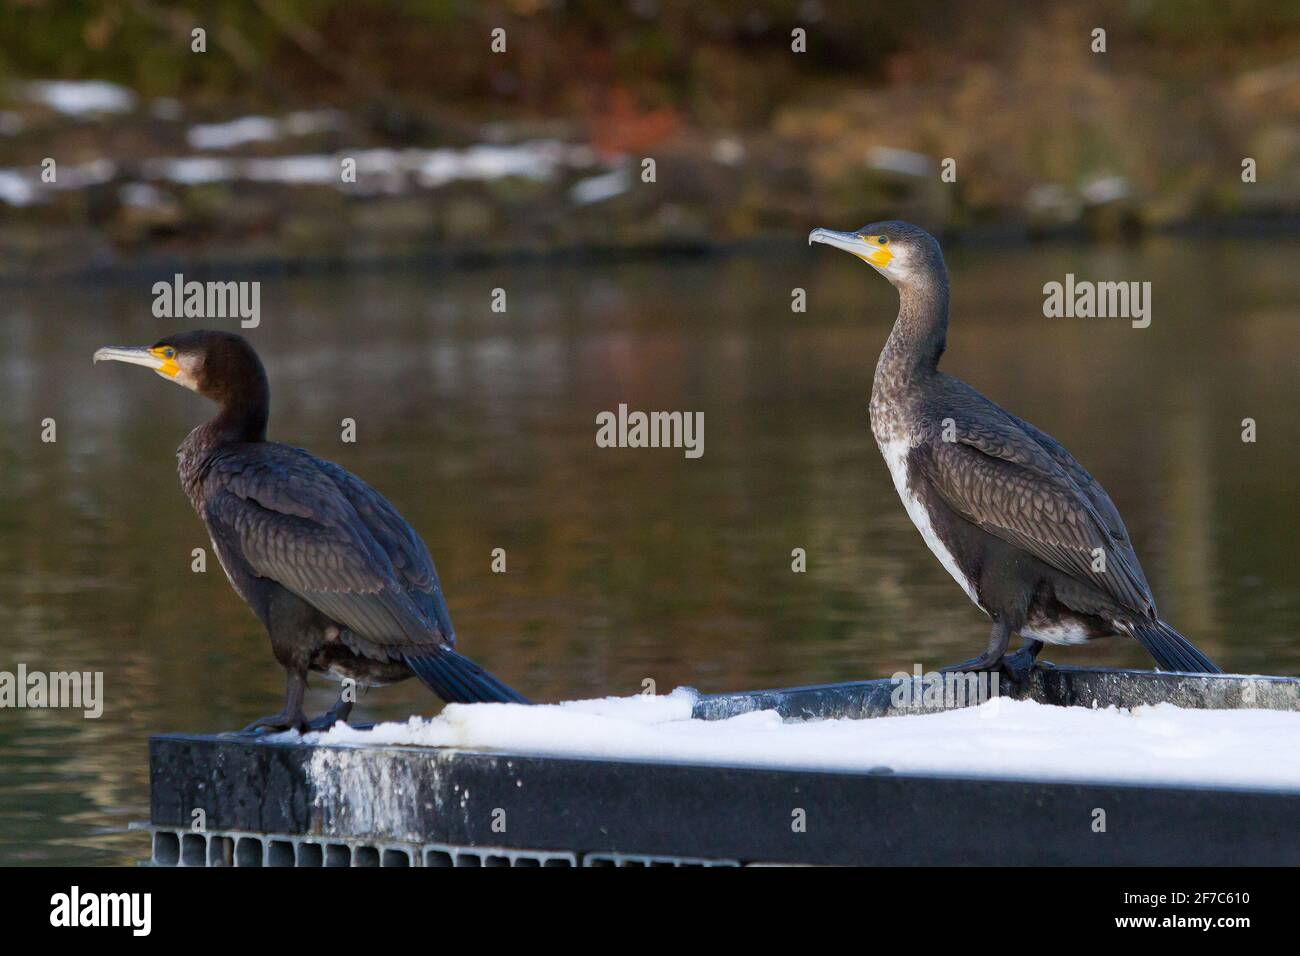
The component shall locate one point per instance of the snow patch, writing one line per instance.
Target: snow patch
(903, 161)
(261, 129)
(379, 171)
(1003, 738)
(247, 129)
(599, 188)
(18, 189)
(79, 98)
(24, 187)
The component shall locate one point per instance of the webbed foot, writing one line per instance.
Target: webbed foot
(1016, 667)
(277, 723)
(985, 662)
(291, 718)
(328, 719)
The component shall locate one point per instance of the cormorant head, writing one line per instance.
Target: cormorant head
(221, 366)
(901, 252)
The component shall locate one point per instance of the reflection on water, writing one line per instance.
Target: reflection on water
(622, 564)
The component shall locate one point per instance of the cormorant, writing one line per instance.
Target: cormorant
(1031, 537)
(343, 585)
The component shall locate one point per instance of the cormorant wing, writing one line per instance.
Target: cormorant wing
(329, 538)
(404, 548)
(1094, 492)
(997, 476)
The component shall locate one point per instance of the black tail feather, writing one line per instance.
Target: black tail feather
(1172, 651)
(458, 680)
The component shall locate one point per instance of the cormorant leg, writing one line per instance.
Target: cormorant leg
(1018, 665)
(291, 718)
(338, 712)
(999, 638)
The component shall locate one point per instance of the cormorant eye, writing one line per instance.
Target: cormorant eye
(169, 352)
(882, 239)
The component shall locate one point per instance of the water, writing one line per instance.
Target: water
(623, 565)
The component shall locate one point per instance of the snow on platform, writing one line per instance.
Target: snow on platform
(1003, 738)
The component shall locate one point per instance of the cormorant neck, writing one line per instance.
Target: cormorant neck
(244, 422)
(239, 420)
(243, 415)
(920, 332)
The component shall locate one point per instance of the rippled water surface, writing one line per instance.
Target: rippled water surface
(622, 564)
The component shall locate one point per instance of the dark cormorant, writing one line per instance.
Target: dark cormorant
(342, 583)
(1031, 537)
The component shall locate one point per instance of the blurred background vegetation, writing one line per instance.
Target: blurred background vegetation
(750, 138)
(478, 425)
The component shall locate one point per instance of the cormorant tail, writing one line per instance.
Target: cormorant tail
(1172, 651)
(458, 680)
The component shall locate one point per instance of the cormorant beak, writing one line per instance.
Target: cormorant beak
(867, 248)
(140, 355)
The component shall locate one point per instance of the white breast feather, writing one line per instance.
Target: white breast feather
(1057, 632)
(895, 451)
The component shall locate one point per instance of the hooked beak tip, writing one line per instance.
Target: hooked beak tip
(134, 355)
(853, 242)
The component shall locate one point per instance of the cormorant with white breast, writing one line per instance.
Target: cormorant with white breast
(343, 585)
(1031, 537)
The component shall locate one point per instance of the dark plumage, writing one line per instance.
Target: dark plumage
(1030, 535)
(343, 585)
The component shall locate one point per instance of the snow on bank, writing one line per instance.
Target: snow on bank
(237, 132)
(24, 187)
(378, 171)
(1003, 738)
(391, 169)
(258, 129)
(79, 98)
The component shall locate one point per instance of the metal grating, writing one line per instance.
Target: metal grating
(439, 854)
(636, 860)
(186, 848)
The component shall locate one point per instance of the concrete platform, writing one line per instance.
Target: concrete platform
(285, 803)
